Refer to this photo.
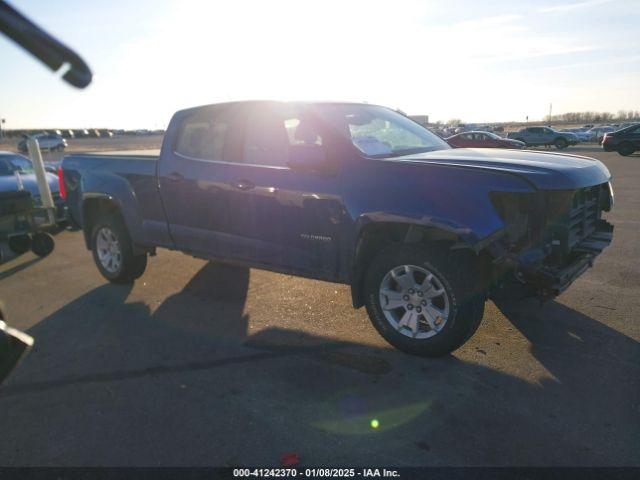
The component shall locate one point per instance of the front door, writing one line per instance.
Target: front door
(283, 217)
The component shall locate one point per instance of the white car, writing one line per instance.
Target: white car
(47, 141)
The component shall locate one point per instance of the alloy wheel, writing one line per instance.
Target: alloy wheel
(414, 301)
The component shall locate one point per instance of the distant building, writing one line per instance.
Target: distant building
(421, 119)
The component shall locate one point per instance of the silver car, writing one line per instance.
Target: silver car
(47, 141)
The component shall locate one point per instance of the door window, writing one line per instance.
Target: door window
(273, 129)
(203, 135)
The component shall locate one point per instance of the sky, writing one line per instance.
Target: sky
(479, 61)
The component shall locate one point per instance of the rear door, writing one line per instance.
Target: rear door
(534, 135)
(464, 140)
(195, 175)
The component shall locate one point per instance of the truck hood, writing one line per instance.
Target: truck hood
(9, 183)
(546, 171)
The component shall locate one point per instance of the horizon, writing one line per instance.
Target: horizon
(489, 63)
(437, 122)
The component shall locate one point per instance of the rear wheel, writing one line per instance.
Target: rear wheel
(424, 301)
(113, 251)
(625, 149)
(42, 244)
(561, 143)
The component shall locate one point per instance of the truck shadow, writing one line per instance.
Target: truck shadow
(249, 396)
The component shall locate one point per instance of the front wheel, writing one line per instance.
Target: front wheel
(424, 301)
(113, 251)
(626, 149)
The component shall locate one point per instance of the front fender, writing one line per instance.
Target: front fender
(450, 199)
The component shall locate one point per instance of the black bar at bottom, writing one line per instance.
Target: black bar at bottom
(404, 473)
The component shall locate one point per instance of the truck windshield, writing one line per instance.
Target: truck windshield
(380, 132)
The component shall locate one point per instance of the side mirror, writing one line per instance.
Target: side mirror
(308, 158)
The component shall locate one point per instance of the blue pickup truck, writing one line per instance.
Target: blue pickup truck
(350, 193)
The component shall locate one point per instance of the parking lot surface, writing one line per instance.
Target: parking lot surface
(199, 364)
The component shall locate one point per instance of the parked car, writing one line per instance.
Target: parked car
(544, 136)
(625, 141)
(68, 133)
(81, 133)
(47, 141)
(482, 140)
(349, 193)
(596, 134)
(105, 133)
(581, 133)
(16, 173)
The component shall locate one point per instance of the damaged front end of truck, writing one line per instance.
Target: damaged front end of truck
(550, 238)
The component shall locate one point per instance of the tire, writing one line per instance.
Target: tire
(455, 274)
(110, 239)
(561, 143)
(625, 149)
(42, 244)
(19, 244)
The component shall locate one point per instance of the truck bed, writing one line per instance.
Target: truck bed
(130, 176)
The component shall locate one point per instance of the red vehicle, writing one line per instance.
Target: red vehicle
(482, 140)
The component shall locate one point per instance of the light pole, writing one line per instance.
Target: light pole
(2, 122)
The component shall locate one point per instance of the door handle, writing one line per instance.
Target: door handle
(243, 185)
(175, 176)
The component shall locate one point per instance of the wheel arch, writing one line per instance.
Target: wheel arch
(376, 236)
(94, 206)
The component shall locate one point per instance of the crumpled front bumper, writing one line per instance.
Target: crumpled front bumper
(549, 281)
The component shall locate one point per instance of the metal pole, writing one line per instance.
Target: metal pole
(43, 185)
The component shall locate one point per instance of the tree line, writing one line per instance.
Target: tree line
(594, 117)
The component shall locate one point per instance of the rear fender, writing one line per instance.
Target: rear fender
(116, 191)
